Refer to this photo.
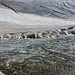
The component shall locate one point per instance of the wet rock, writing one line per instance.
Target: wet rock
(73, 32)
(1, 73)
(15, 73)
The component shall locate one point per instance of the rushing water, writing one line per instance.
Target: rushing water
(38, 55)
(37, 47)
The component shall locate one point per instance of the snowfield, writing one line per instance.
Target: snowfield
(16, 22)
(35, 15)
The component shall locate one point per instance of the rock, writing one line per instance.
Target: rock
(1, 73)
(15, 73)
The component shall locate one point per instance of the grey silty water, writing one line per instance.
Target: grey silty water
(22, 49)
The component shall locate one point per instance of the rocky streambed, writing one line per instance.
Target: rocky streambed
(38, 56)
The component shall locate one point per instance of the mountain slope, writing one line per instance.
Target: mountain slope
(52, 8)
(20, 16)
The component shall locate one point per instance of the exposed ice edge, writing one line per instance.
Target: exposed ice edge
(63, 32)
(29, 22)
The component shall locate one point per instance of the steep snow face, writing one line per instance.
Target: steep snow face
(51, 8)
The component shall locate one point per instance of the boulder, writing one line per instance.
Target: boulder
(1, 73)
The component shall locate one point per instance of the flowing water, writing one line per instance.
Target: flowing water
(44, 52)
